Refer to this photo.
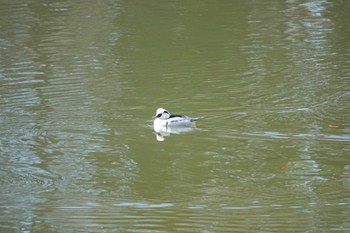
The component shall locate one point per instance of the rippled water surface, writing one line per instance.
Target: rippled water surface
(80, 81)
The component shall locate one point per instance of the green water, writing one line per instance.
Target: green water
(80, 81)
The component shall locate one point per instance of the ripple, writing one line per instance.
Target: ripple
(136, 218)
(321, 137)
(144, 205)
(26, 179)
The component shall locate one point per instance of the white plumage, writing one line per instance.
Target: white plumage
(165, 119)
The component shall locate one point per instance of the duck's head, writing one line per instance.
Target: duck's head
(162, 114)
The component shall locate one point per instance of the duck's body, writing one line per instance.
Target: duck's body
(165, 119)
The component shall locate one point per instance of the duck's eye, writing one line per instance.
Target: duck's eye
(159, 115)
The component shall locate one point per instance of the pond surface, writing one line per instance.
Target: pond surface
(80, 81)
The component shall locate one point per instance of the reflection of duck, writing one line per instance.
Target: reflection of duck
(165, 119)
(166, 124)
(163, 131)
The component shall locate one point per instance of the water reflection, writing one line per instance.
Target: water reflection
(162, 132)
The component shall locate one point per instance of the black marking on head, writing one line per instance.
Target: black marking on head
(159, 115)
(166, 112)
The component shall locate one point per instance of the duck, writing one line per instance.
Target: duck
(163, 118)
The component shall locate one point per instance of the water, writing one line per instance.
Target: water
(80, 81)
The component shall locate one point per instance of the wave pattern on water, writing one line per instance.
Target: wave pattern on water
(162, 217)
(80, 80)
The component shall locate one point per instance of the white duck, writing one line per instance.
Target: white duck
(165, 119)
